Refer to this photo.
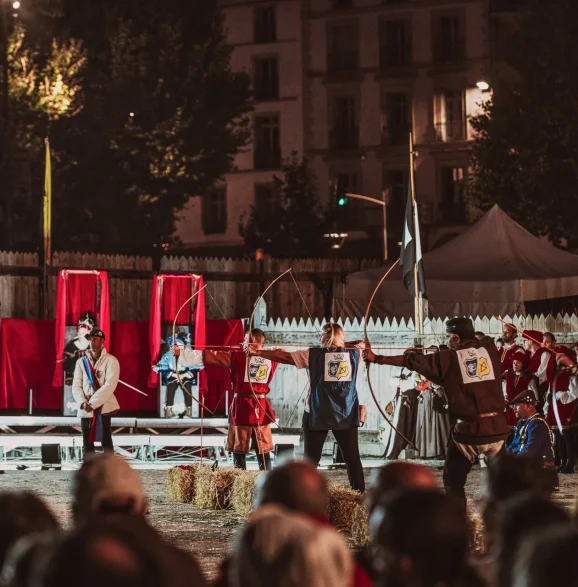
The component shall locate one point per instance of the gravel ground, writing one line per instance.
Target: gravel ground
(207, 534)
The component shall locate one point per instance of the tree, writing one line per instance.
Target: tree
(525, 155)
(294, 226)
(162, 119)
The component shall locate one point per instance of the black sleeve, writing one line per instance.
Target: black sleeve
(427, 365)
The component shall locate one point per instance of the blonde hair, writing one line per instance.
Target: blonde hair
(332, 336)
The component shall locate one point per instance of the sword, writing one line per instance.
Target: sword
(133, 388)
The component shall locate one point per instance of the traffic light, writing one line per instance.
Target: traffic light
(342, 201)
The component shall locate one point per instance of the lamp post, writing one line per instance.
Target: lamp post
(383, 203)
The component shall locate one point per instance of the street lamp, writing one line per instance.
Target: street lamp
(383, 203)
(483, 85)
(16, 5)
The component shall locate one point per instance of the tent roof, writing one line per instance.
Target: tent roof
(493, 267)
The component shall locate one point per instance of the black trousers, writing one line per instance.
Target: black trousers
(348, 443)
(106, 434)
(264, 460)
(456, 470)
(565, 448)
(172, 387)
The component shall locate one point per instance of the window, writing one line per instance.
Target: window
(397, 184)
(449, 39)
(265, 24)
(215, 211)
(344, 183)
(266, 78)
(396, 115)
(452, 194)
(450, 116)
(343, 134)
(394, 43)
(267, 145)
(266, 199)
(342, 47)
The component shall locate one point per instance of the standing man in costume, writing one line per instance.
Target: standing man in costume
(510, 348)
(167, 367)
(76, 347)
(470, 373)
(537, 357)
(251, 414)
(518, 380)
(532, 435)
(332, 403)
(95, 379)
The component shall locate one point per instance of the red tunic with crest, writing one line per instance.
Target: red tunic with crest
(246, 410)
(516, 383)
(507, 356)
(568, 412)
(535, 360)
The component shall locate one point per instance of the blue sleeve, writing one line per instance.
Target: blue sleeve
(537, 437)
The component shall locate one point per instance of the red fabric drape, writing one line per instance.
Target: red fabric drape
(169, 293)
(133, 353)
(221, 333)
(27, 355)
(76, 294)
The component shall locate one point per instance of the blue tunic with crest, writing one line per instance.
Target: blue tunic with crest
(334, 404)
(533, 438)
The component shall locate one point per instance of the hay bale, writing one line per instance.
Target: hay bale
(360, 526)
(182, 483)
(244, 492)
(204, 486)
(223, 487)
(342, 502)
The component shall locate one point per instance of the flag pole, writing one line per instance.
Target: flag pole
(47, 226)
(417, 295)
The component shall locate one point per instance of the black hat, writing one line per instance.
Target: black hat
(461, 326)
(526, 397)
(97, 333)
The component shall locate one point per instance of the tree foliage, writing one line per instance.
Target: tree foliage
(294, 225)
(141, 108)
(525, 156)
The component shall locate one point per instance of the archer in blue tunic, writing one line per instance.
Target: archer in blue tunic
(532, 435)
(332, 403)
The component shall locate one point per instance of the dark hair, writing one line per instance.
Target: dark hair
(550, 335)
(500, 340)
(21, 514)
(257, 334)
(548, 558)
(522, 516)
(429, 528)
(479, 333)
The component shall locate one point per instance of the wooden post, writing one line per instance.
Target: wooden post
(417, 296)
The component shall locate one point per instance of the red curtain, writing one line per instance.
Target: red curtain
(76, 294)
(169, 293)
(133, 353)
(221, 333)
(27, 357)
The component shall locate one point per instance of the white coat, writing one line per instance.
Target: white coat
(107, 370)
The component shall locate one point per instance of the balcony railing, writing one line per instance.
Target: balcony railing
(342, 61)
(452, 130)
(395, 135)
(343, 139)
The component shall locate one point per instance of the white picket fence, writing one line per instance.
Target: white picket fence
(387, 337)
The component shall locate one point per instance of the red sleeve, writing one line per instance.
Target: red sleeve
(360, 577)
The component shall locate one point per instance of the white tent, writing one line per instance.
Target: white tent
(491, 269)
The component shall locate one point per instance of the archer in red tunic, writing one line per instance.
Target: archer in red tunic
(251, 413)
(518, 380)
(510, 348)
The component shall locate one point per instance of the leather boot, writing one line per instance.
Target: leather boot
(169, 412)
(189, 412)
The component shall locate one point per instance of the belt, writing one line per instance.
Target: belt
(250, 395)
(484, 415)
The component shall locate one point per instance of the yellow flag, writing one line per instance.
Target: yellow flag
(47, 201)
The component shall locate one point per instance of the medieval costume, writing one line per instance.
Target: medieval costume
(76, 347)
(167, 367)
(533, 438)
(433, 424)
(507, 353)
(251, 412)
(470, 373)
(93, 387)
(518, 380)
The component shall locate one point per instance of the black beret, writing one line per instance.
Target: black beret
(96, 333)
(526, 397)
(460, 326)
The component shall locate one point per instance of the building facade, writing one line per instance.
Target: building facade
(344, 82)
